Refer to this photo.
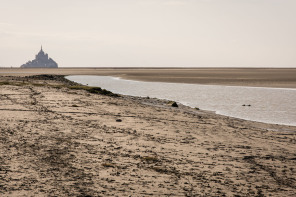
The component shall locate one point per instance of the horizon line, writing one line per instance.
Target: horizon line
(159, 67)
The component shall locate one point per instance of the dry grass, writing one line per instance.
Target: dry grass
(94, 90)
(150, 159)
(109, 165)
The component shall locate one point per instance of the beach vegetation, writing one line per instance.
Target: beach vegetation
(109, 165)
(4, 83)
(12, 83)
(228, 169)
(150, 159)
(58, 86)
(38, 84)
(94, 90)
(159, 169)
(173, 104)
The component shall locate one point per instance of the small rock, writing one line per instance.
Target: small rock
(174, 104)
(118, 120)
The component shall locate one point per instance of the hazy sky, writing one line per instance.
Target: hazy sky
(150, 32)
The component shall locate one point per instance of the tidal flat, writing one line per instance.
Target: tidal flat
(60, 139)
(254, 77)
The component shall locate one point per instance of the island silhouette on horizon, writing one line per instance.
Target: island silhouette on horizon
(41, 61)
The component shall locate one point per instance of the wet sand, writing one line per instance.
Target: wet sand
(260, 77)
(60, 141)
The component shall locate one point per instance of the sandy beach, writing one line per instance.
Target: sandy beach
(62, 139)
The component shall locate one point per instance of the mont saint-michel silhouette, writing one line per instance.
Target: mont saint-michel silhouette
(41, 61)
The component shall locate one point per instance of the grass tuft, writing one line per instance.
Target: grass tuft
(38, 84)
(94, 90)
(172, 103)
(4, 83)
(109, 165)
(160, 169)
(150, 159)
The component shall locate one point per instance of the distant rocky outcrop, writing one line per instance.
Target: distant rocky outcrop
(41, 61)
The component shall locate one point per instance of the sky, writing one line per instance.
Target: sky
(150, 33)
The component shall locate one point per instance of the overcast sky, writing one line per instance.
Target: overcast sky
(86, 33)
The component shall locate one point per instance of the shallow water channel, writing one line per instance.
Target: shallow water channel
(269, 105)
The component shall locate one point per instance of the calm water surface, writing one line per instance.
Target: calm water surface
(269, 105)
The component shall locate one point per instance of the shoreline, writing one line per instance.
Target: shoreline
(62, 139)
(193, 106)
